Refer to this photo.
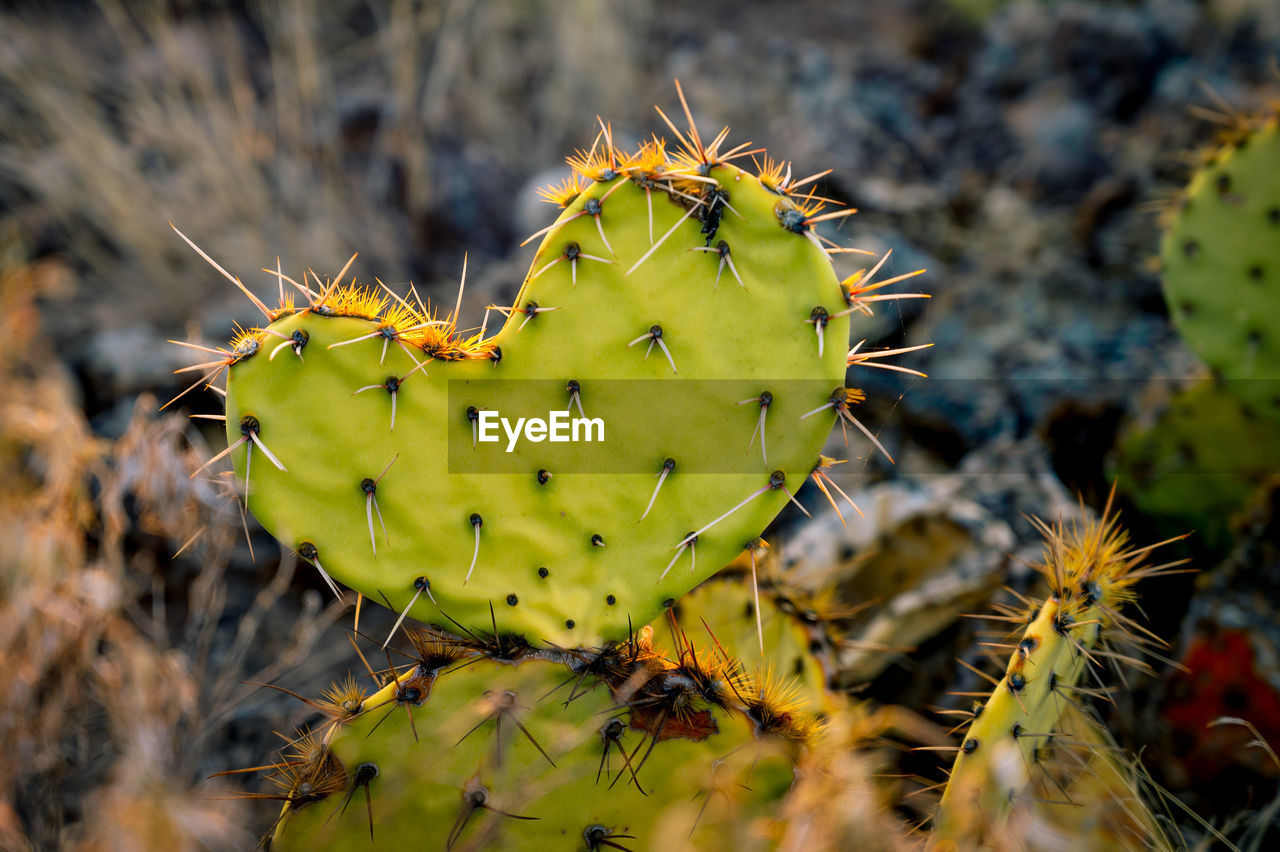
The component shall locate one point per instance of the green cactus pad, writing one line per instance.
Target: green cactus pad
(1187, 469)
(1221, 258)
(555, 540)
(795, 627)
(548, 751)
(1092, 571)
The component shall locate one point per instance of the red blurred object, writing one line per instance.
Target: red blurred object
(1225, 679)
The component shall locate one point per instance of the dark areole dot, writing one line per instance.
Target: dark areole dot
(1256, 272)
(1190, 248)
(569, 623)
(610, 600)
(512, 600)
(970, 745)
(543, 572)
(1273, 216)
(668, 603)
(1223, 183)
(544, 476)
(597, 540)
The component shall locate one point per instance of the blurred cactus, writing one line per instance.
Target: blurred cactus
(1186, 467)
(1091, 570)
(1221, 259)
(478, 744)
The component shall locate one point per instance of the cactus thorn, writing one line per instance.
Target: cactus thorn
(721, 249)
(257, 303)
(690, 541)
(420, 584)
(819, 317)
(370, 489)
(653, 248)
(765, 399)
(308, 552)
(667, 466)
(823, 480)
(476, 522)
(654, 335)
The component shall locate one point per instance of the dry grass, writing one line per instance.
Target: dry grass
(107, 720)
(304, 131)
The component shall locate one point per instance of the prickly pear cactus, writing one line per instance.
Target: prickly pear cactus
(481, 744)
(1221, 258)
(759, 618)
(1186, 467)
(1091, 571)
(685, 303)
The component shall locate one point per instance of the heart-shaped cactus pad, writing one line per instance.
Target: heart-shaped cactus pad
(681, 320)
